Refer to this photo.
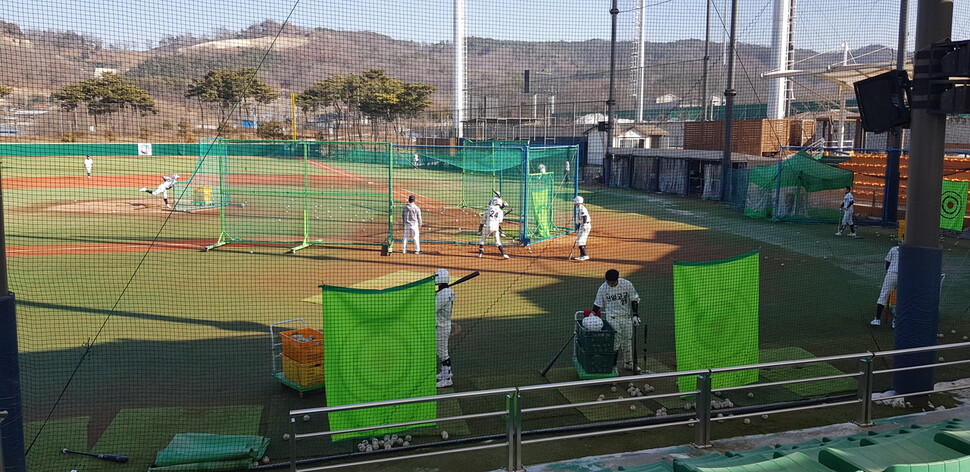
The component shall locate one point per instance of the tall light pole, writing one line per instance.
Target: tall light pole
(459, 95)
(610, 101)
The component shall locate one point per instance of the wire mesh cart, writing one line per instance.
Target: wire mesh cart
(297, 353)
(593, 354)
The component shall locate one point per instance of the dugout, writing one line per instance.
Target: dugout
(686, 172)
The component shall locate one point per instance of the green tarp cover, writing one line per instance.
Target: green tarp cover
(379, 345)
(209, 452)
(716, 318)
(801, 171)
(953, 205)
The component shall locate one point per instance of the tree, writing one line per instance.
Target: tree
(4, 91)
(231, 88)
(372, 94)
(108, 94)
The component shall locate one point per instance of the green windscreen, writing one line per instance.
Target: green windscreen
(953, 205)
(716, 318)
(379, 345)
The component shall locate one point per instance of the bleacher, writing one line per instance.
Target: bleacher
(935, 447)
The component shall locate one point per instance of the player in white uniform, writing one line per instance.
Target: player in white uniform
(493, 218)
(584, 225)
(444, 301)
(167, 183)
(888, 284)
(88, 165)
(848, 209)
(620, 304)
(411, 216)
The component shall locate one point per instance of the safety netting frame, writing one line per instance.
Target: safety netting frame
(798, 188)
(300, 193)
(304, 193)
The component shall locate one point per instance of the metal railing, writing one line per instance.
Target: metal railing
(702, 417)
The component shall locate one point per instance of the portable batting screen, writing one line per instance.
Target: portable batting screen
(301, 193)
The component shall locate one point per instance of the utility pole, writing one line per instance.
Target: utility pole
(729, 93)
(610, 101)
(920, 256)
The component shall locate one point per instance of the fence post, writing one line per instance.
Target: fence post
(702, 437)
(291, 438)
(513, 431)
(865, 392)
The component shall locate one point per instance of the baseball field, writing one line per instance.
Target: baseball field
(130, 332)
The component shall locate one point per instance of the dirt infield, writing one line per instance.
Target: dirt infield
(20, 183)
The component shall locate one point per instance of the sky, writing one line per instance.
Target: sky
(821, 24)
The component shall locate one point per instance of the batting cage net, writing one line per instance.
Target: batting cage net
(300, 193)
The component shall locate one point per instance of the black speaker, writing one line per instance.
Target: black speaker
(602, 126)
(884, 101)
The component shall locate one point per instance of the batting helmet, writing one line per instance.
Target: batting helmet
(442, 276)
(495, 201)
(578, 200)
(497, 193)
(592, 323)
(410, 198)
(175, 176)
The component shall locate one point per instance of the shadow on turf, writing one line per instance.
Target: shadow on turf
(241, 326)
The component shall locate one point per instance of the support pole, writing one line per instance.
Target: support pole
(920, 257)
(610, 101)
(729, 93)
(894, 141)
(12, 427)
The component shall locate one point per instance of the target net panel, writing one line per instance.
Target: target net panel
(454, 185)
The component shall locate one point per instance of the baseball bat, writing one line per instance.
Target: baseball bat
(105, 457)
(570, 257)
(465, 278)
(636, 361)
(554, 359)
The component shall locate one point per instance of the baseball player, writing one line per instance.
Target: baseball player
(167, 183)
(888, 284)
(411, 216)
(88, 165)
(584, 225)
(493, 218)
(620, 304)
(444, 301)
(848, 209)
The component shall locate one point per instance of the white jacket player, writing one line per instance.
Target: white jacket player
(583, 226)
(444, 302)
(411, 216)
(848, 209)
(88, 165)
(493, 218)
(619, 303)
(888, 284)
(167, 183)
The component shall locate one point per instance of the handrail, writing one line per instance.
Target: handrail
(702, 416)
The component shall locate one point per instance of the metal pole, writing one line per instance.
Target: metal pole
(865, 392)
(894, 142)
(706, 107)
(610, 101)
(12, 433)
(729, 93)
(459, 92)
(702, 437)
(920, 257)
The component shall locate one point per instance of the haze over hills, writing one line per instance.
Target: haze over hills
(37, 62)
